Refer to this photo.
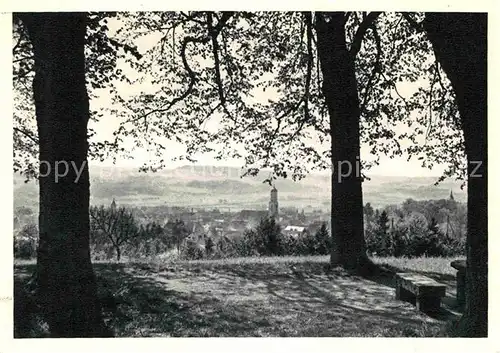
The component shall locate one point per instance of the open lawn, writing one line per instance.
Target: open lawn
(289, 296)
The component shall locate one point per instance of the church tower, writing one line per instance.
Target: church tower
(113, 205)
(273, 203)
(451, 196)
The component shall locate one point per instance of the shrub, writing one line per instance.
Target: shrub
(323, 241)
(209, 246)
(412, 236)
(192, 251)
(26, 242)
(24, 248)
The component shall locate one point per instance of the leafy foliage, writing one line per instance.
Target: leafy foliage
(202, 79)
(26, 242)
(178, 230)
(268, 240)
(236, 58)
(192, 251)
(103, 55)
(416, 230)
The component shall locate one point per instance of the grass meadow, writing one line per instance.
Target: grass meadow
(259, 297)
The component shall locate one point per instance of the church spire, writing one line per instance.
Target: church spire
(273, 203)
(451, 196)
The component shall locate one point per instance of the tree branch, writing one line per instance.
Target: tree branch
(376, 67)
(310, 59)
(414, 24)
(192, 17)
(215, 52)
(27, 134)
(360, 33)
(18, 43)
(23, 58)
(192, 75)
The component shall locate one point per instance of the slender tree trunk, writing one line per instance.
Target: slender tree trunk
(66, 281)
(340, 91)
(459, 42)
(118, 253)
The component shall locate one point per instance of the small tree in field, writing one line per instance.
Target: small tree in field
(119, 226)
(270, 233)
(209, 246)
(382, 231)
(178, 232)
(323, 241)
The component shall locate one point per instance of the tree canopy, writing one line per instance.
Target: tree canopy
(249, 85)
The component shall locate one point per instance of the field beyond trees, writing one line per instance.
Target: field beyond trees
(256, 297)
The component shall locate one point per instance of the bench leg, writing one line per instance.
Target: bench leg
(404, 295)
(429, 304)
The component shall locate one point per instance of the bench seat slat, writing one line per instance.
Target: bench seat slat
(420, 285)
(426, 291)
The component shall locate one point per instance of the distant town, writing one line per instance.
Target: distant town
(222, 222)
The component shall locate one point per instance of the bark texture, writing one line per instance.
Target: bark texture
(460, 44)
(340, 91)
(66, 282)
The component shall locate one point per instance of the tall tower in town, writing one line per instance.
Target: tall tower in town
(273, 203)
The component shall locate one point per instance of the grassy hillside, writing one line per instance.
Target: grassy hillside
(257, 297)
(208, 186)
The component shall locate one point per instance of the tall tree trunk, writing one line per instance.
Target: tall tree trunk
(66, 281)
(340, 91)
(459, 42)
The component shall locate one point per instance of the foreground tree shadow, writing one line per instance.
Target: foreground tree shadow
(250, 300)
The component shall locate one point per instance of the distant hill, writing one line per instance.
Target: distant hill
(209, 186)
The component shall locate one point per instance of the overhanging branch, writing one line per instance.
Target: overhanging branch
(360, 33)
(213, 33)
(376, 67)
(414, 24)
(27, 134)
(310, 59)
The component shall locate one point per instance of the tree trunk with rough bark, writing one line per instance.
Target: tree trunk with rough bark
(118, 253)
(66, 282)
(340, 91)
(459, 41)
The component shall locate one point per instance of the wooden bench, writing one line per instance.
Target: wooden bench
(420, 290)
(460, 266)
